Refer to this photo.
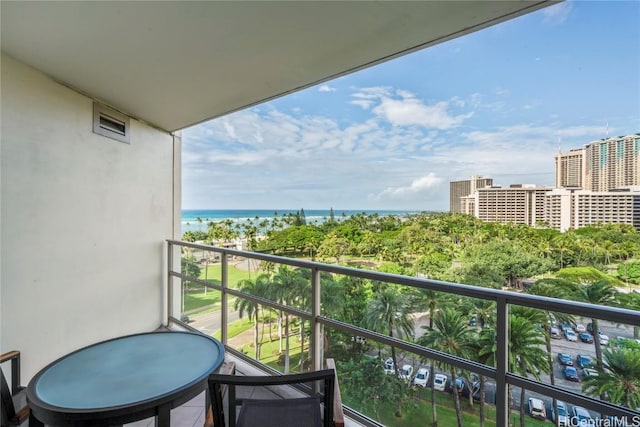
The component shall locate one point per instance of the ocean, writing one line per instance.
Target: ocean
(190, 216)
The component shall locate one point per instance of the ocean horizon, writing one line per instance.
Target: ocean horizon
(190, 217)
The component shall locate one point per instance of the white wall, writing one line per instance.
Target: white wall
(83, 219)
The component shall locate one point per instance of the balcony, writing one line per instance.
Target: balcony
(330, 336)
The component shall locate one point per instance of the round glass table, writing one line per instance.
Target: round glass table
(124, 380)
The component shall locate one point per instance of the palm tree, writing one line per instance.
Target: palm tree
(551, 288)
(525, 353)
(620, 379)
(600, 292)
(284, 287)
(430, 298)
(485, 348)
(257, 287)
(451, 335)
(389, 313)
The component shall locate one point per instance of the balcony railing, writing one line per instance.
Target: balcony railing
(504, 379)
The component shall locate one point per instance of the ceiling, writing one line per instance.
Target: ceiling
(178, 63)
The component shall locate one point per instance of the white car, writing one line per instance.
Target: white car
(422, 377)
(439, 382)
(537, 409)
(406, 372)
(389, 367)
(580, 328)
(604, 339)
(571, 335)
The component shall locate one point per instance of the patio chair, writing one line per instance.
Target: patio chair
(14, 403)
(315, 409)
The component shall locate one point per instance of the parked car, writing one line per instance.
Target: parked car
(565, 359)
(590, 328)
(422, 377)
(537, 409)
(604, 339)
(439, 382)
(563, 420)
(570, 335)
(571, 373)
(554, 332)
(583, 361)
(581, 417)
(461, 387)
(589, 372)
(406, 372)
(389, 367)
(473, 321)
(579, 328)
(586, 337)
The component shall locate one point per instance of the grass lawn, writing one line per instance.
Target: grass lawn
(196, 297)
(236, 328)
(214, 272)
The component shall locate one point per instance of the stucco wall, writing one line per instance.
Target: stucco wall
(83, 222)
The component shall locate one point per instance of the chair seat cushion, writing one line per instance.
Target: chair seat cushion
(303, 412)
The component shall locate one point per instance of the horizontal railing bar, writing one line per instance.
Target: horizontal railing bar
(613, 314)
(427, 353)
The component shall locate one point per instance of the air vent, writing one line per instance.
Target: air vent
(110, 123)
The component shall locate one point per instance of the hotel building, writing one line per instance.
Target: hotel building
(464, 188)
(522, 204)
(612, 163)
(596, 184)
(570, 169)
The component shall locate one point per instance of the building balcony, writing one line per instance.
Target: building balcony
(316, 330)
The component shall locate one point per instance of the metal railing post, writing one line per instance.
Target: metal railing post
(169, 280)
(316, 327)
(224, 302)
(503, 407)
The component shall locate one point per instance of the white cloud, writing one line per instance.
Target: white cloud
(267, 158)
(326, 88)
(416, 187)
(404, 109)
(363, 103)
(557, 13)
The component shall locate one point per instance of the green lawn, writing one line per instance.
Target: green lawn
(214, 272)
(196, 297)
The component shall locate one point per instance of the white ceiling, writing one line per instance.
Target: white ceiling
(177, 63)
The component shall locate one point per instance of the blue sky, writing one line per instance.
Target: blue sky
(498, 103)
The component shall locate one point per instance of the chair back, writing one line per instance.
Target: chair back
(8, 411)
(10, 415)
(324, 394)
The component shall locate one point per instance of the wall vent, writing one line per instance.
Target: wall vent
(110, 123)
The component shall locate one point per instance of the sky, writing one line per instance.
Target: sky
(499, 103)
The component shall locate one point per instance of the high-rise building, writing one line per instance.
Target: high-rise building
(459, 189)
(521, 204)
(570, 169)
(612, 163)
(596, 184)
(567, 209)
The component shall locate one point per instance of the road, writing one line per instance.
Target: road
(209, 323)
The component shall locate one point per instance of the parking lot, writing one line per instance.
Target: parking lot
(558, 345)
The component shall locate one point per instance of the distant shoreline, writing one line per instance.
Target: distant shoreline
(197, 219)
